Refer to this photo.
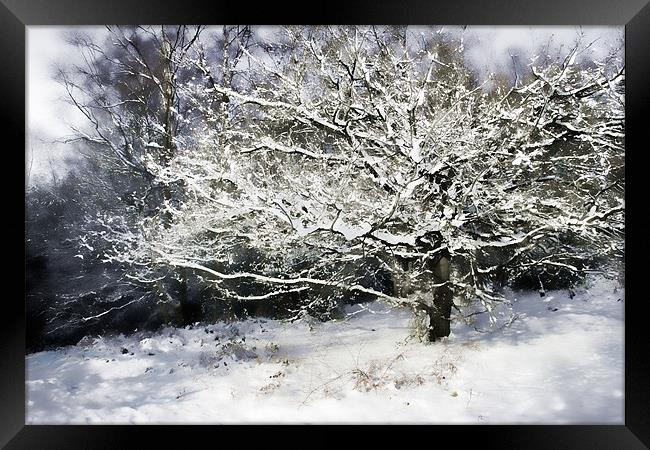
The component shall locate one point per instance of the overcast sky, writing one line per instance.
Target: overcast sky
(490, 49)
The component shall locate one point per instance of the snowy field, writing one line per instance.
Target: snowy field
(560, 361)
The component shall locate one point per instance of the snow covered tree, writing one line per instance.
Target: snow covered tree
(319, 149)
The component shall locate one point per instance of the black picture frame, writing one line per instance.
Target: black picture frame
(16, 15)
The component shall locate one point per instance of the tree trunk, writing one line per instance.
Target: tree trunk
(440, 311)
(189, 309)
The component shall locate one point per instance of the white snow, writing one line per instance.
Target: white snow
(561, 361)
(351, 231)
(394, 239)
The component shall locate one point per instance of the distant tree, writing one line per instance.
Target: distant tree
(128, 90)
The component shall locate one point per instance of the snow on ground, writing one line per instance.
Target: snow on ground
(561, 361)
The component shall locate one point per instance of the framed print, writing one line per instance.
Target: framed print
(377, 214)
